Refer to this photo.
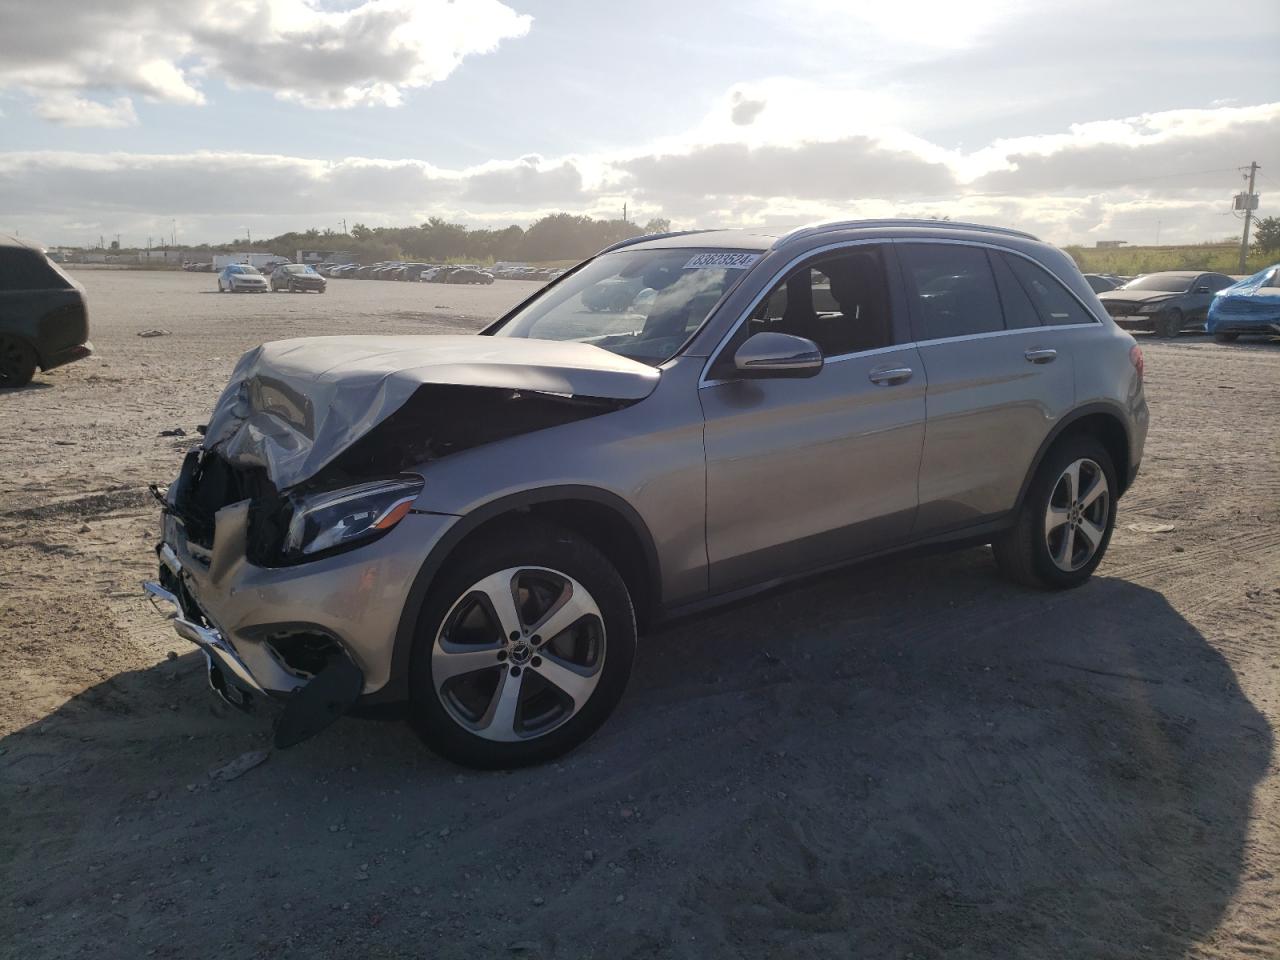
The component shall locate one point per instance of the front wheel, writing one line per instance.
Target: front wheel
(17, 362)
(1064, 525)
(1226, 337)
(1169, 323)
(522, 650)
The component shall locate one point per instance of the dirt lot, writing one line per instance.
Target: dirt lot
(911, 759)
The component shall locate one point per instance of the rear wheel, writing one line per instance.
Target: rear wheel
(1065, 523)
(1226, 337)
(17, 362)
(523, 649)
(1169, 323)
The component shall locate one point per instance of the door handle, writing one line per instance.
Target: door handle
(887, 376)
(1041, 356)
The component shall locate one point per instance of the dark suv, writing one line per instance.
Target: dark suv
(43, 321)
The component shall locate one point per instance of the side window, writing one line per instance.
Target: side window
(952, 288)
(1019, 311)
(839, 302)
(1216, 281)
(23, 269)
(1053, 303)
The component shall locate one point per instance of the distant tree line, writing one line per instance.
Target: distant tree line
(560, 236)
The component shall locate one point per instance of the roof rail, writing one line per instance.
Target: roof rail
(811, 229)
(652, 236)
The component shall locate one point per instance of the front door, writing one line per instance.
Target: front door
(802, 473)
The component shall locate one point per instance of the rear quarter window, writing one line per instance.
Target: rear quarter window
(1053, 302)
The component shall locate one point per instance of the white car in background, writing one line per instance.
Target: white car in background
(241, 278)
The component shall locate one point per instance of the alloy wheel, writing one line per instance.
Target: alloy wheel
(519, 654)
(1075, 520)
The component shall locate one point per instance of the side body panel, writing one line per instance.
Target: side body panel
(650, 455)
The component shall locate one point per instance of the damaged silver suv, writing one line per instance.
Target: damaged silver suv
(478, 526)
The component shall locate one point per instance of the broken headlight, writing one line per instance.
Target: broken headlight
(345, 517)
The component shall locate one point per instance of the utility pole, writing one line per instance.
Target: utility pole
(1249, 201)
(624, 212)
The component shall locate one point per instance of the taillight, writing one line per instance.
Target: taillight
(1139, 364)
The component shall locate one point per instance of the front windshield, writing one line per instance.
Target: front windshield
(245, 268)
(296, 268)
(1168, 283)
(641, 304)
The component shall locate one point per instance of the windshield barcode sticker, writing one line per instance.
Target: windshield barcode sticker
(722, 261)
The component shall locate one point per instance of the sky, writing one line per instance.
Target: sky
(212, 119)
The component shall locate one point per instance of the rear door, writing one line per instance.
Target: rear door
(805, 472)
(997, 346)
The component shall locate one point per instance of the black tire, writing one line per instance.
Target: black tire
(1226, 337)
(1169, 323)
(530, 545)
(17, 362)
(1022, 552)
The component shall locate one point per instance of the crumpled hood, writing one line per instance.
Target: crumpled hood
(293, 405)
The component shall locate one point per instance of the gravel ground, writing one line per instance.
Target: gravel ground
(907, 759)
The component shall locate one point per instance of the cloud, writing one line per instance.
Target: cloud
(1167, 152)
(371, 53)
(841, 169)
(1112, 179)
(527, 182)
(744, 111)
(69, 110)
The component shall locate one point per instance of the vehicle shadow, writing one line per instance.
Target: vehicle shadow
(907, 758)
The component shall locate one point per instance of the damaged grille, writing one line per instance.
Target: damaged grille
(207, 483)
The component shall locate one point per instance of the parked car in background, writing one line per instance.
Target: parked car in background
(43, 319)
(364, 272)
(241, 278)
(477, 524)
(408, 272)
(1250, 306)
(1167, 303)
(296, 278)
(468, 275)
(1100, 283)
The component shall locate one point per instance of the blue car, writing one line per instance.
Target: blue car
(1250, 306)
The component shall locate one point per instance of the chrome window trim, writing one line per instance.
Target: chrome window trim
(1000, 333)
(705, 381)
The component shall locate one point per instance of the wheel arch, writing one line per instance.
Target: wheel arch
(602, 518)
(1102, 420)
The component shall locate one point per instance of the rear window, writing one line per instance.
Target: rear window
(24, 269)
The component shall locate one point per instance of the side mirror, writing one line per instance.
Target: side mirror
(777, 355)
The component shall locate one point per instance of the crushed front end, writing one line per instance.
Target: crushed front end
(274, 617)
